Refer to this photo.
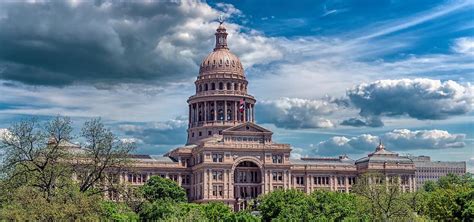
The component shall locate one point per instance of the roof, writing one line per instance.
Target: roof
(384, 158)
(341, 161)
(381, 155)
(155, 158)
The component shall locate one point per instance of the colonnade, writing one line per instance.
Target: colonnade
(219, 111)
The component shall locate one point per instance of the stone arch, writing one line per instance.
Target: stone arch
(247, 158)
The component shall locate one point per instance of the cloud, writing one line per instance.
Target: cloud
(397, 140)
(357, 122)
(422, 99)
(171, 132)
(464, 45)
(111, 42)
(294, 113)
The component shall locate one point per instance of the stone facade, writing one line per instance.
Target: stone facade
(229, 158)
(427, 170)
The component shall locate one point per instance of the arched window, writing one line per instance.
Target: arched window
(200, 116)
(205, 87)
(229, 114)
(242, 87)
(211, 115)
(213, 86)
(228, 86)
(235, 86)
(221, 86)
(200, 88)
(220, 115)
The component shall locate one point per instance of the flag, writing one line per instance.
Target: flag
(242, 106)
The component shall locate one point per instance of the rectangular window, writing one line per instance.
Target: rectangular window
(300, 180)
(217, 158)
(277, 159)
(277, 176)
(217, 175)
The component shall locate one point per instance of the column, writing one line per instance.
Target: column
(253, 112)
(333, 183)
(179, 179)
(346, 182)
(410, 183)
(270, 186)
(235, 111)
(308, 184)
(414, 183)
(225, 110)
(205, 112)
(289, 179)
(245, 112)
(215, 110)
(189, 115)
(285, 179)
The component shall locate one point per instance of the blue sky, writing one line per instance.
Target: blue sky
(330, 77)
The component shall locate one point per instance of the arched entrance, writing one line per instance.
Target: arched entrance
(247, 180)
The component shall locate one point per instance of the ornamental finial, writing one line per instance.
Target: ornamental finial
(220, 19)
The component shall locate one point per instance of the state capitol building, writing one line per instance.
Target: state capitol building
(229, 158)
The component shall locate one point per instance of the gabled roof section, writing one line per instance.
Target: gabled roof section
(247, 127)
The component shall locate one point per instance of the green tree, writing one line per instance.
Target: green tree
(333, 205)
(451, 199)
(32, 155)
(382, 199)
(429, 186)
(158, 188)
(284, 205)
(217, 211)
(117, 211)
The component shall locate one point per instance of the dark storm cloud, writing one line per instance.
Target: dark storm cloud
(423, 99)
(356, 122)
(58, 43)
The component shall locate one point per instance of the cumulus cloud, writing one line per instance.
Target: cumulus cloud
(169, 132)
(295, 113)
(398, 139)
(417, 98)
(56, 43)
(464, 45)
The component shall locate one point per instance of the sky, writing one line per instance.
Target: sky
(330, 77)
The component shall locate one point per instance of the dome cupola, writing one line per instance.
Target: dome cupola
(221, 60)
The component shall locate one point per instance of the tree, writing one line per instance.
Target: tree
(383, 198)
(284, 205)
(451, 199)
(27, 203)
(333, 206)
(33, 153)
(217, 211)
(103, 159)
(158, 188)
(117, 211)
(429, 186)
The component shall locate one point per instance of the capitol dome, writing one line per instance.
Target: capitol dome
(221, 60)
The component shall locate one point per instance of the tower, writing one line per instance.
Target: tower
(221, 99)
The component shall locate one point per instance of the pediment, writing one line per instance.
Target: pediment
(247, 127)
